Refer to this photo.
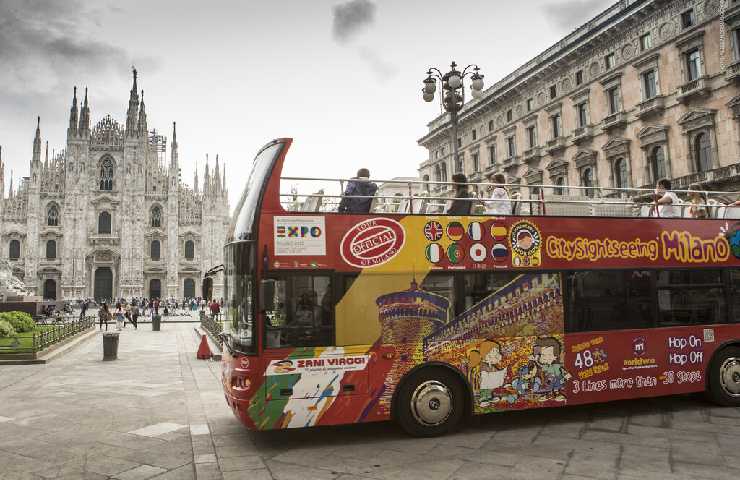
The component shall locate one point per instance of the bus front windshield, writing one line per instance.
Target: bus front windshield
(239, 290)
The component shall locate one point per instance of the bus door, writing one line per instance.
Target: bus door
(301, 359)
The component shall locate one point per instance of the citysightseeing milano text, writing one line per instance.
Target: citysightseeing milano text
(682, 247)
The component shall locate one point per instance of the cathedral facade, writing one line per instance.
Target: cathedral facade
(109, 216)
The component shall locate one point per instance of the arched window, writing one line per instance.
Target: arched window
(14, 250)
(51, 249)
(156, 217)
(657, 164)
(154, 250)
(189, 250)
(620, 173)
(52, 216)
(702, 153)
(106, 174)
(587, 180)
(104, 222)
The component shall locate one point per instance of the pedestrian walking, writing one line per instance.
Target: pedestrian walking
(119, 317)
(83, 310)
(104, 316)
(135, 316)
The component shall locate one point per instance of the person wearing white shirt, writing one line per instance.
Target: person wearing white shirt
(667, 202)
(499, 203)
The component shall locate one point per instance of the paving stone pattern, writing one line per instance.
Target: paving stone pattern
(158, 413)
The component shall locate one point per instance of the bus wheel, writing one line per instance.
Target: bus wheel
(429, 403)
(724, 377)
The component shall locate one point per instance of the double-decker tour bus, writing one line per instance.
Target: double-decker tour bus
(425, 318)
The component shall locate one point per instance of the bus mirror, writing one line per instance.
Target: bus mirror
(267, 295)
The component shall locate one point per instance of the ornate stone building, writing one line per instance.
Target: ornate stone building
(107, 217)
(647, 89)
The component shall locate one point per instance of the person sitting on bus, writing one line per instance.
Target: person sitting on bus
(667, 202)
(462, 204)
(360, 186)
(698, 204)
(500, 204)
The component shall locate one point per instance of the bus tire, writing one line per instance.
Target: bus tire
(724, 377)
(430, 402)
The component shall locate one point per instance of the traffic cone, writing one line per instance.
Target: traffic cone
(204, 352)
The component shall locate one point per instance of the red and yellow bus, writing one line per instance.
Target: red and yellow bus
(425, 319)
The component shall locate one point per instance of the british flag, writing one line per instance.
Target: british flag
(433, 231)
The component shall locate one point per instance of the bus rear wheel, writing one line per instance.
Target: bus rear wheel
(724, 377)
(431, 402)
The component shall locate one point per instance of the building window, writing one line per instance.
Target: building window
(189, 250)
(106, 174)
(556, 126)
(156, 217)
(104, 223)
(553, 92)
(620, 173)
(559, 182)
(510, 147)
(509, 115)
(51, 249)
(490, 126)
(688, 19)
(587, 180)
(649, 85)
(492, 154)
(693, 64)
(459, 142)
(154, 250)
(530, 104)
(579, 77)
(582, 114)
(702, 152)
(443, 171)
(437, 174)
(14, 250)
(52, 216)
(736, 38)
(612, 97)
(657, 164)
(531, 136)
(476, 163)
(459, 164)
(475, 135)
(610, 61)
(646, 42)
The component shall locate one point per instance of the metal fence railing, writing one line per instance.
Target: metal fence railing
(213, 324)
(47, 336)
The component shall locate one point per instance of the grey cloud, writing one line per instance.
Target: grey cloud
(570, 14)
(351, 17)
(378, 65)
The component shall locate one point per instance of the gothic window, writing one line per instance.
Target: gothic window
(156, 217)
(106, 174)
(702, 152)
(657, 163)
(587, 180)
(620, 173)
(189, 250)
(51, 249)
(14, 250)
(52, 216)
(154, 250)
(104, 223)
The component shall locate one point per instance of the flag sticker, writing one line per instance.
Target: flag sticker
(498, 233)
(280, 231)
(433, 231)
(455, 253)
(455, 231)
(478, 252)
(475, 231)
(434, 252)
(499, 252)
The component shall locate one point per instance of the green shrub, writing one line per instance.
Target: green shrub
(6, 329)
(20, 321)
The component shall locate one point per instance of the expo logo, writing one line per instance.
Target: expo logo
(372, 242)
(301, 231)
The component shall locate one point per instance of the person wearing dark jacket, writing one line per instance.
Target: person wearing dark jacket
(462, 205)
(358, 187)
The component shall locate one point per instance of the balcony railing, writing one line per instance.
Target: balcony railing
(582, 134)
(691, 89)
(615, 120)
(533, 153)
(732, 72)
(651, 106)
(555, 145)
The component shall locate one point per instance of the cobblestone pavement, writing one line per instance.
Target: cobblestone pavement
(159, 413)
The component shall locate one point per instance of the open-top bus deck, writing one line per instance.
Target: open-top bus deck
(425, 318)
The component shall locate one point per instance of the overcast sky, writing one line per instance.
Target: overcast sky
(342, 78)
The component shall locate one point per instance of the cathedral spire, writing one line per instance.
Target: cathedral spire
(206, 179)
(223, 187)
(2, 174)
(73, 119)
(46, 159)
(133, 107)
(173, 149)
(84, 117)
(37, 144)
(10, 190)
(142, 127)
(195, 182)
(216, 176)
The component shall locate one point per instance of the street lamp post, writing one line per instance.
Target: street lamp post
(453, 94)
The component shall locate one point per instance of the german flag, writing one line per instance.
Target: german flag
(455, 231)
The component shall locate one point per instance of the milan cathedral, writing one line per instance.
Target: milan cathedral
(107, 217)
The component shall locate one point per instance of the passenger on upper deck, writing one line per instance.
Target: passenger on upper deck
(698, 202)
(499, 203)
(359, 186)
(667, 202)
(463, 204)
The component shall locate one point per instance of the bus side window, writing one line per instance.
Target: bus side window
(442, 284)
(733, 286)
(479, 285)
(690, 297)
(302, 314)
